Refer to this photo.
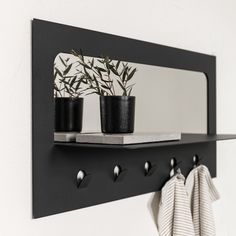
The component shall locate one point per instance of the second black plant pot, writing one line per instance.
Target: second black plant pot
(117, 114)
(68, 114)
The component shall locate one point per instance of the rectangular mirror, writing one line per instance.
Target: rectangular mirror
(167, 100)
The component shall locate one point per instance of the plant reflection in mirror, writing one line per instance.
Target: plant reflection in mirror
(100, 74)
(68, 81)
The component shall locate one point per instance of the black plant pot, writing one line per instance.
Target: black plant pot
(68, 114)
(117, 114)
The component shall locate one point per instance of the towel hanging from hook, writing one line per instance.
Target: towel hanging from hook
(197, 161)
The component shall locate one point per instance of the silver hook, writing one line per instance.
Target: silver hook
(147, 166)
(116, 171)
(82, 179)
(174, 163)
(196, 160)
(119, 173)
(80, 175)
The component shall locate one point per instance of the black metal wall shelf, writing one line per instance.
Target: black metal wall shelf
(185, 139)
(56, 165)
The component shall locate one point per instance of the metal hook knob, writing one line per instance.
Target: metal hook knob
(82, 179)
(196, 160)
(119, 173)
(174, 166)
(173, 162)
(149, 168)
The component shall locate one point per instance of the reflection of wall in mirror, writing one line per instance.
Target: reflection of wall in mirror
(166, 100)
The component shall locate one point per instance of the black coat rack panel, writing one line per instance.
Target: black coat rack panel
(72, 176)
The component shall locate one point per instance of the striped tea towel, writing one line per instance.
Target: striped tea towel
(202, 193)
(174, 216)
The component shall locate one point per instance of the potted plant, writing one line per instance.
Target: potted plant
(67, 91)
(104, 76)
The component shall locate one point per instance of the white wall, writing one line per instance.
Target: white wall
(206, 26)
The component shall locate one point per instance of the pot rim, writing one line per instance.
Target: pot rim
(69, 98)
(121, 96)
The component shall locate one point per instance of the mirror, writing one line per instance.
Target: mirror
(167, 100)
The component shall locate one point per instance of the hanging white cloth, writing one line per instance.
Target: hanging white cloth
(174, 216)
(202, 193)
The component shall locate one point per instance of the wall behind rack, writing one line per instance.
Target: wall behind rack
(205, 27)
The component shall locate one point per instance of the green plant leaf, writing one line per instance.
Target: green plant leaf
(56, 88)
(64, 81)
(79, 72)
(128, 69)
(63, 61)
(66, 71)
(129, 93)
(58, 71)
(67, 89)
(71, 90)
(122, 86)
(55, 75)
(81, 54)
(131, 74)
(110, 65)
(106, 81)
(124, 74)
(102, 92)
(94, 92)
(73, 81)
(130, 86)
(92, 62)
(117, 64)
(101, 61)
(85, 65)
(68, 77)
(100, 69)
(106, 59)
(96, 82)
(114, 71)
(105, 87)
(86, 72)
(74, 52)
(77, 87)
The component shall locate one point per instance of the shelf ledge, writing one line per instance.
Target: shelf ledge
(185, 139)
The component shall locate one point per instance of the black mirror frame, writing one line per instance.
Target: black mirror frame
(54, 168)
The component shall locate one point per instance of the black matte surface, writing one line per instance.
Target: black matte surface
(117, 114)
(68, 114)
(57, 188)
(55, 166)
(185, 139)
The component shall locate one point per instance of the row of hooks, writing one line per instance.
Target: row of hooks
(84, 178)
